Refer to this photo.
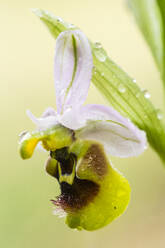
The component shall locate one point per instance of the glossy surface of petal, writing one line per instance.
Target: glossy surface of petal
(46, 121)
(119, 136)
(72, 69)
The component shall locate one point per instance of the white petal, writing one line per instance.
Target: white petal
(49, 112)
(72, 69)
(96, 122)
(48, 119)
(72, 119)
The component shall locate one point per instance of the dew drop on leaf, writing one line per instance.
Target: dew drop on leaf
(159, 114)
(100, 55)
(134, 81)
(71, 26)
(59, 19)
(97, 45)
(99, 52)
(146, 94)
(122, 89)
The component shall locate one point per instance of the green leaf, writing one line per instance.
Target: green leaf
(118, 88)
(150, 17)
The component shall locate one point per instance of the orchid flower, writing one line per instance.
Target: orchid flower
(78, 138)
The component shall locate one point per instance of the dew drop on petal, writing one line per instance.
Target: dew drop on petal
(121, 88)
(62, 92)
(22, 135)
(159, 114)
(68, 108)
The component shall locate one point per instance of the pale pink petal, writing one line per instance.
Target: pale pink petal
(72, 119)
(49, 112)
(72, 69)
(48, 119)
(96, 122)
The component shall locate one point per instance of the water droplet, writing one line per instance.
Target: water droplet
(122, 89)
(22, 135)
(99, 52)
(71, 26)
(62, 92)
(59, 19)
(146, 94)
(100, 55)
(134, 81)
(68, 108)
(102, 74)
(97, 45)
(159, 114)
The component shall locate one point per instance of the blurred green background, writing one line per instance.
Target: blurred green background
(26, 77)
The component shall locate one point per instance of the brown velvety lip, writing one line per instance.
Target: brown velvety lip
(76, 196)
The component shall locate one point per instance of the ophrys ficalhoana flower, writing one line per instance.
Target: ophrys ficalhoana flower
(78, 137)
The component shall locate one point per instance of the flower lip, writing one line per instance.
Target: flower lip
(76, 196)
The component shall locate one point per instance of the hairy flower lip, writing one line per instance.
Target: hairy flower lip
(76, 196)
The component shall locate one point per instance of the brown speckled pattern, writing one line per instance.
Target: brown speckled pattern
(96, 157)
